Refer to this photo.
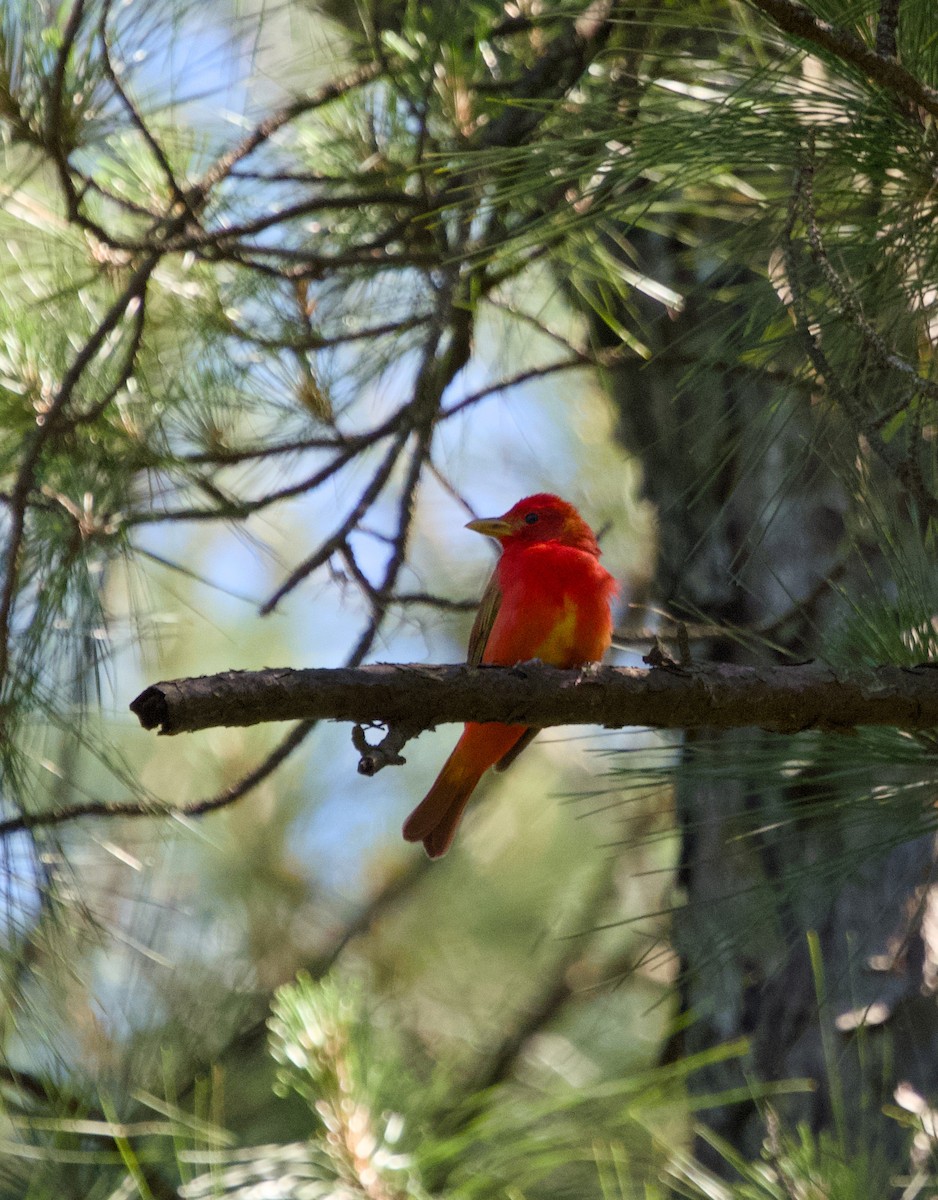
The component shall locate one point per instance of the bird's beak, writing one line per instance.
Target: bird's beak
(493, 527)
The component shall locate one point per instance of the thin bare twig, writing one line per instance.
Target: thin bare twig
(503, 385)
(265, 130)
(441, 602)
(302, 208)
(130, 809)
(329, 547)
(236, 509)
(317, 341)
(89, 415)
(54, 124)
(305, 264)
(176, 192)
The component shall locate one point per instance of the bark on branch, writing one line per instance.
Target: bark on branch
(717, 696)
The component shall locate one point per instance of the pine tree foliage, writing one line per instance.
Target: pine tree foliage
(244, 284)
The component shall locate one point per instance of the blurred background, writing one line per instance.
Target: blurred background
(292, 291)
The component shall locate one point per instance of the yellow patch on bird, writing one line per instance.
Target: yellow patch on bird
(558, 646)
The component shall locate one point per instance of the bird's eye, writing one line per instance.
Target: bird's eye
(531, 519)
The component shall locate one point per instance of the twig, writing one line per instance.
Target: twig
(329, 547)
(303, 263)
(89, 415)
(178, 197)
(266, 129)
(243, 508)
(540, 327)
(407, 501)
(301, 208)
(552, 75)
(502, 385)
(441, 602)
(54, 124)
(94, 808)
(317, 341)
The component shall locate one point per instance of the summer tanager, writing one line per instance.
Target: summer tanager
(548, 598)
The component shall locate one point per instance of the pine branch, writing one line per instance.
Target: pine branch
(53, 419)
(551, 75)
(795, 19)
(785, 699)
(396, 888)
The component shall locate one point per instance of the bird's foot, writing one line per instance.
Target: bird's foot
(587, 672)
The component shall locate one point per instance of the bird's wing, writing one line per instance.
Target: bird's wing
(485, 619)
(482, 628)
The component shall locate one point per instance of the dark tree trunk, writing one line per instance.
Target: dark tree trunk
(751, 529)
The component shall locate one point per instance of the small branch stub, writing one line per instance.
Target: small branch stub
(386, 753)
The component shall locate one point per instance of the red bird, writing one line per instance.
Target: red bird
(548, 598)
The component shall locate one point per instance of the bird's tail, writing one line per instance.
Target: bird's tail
(436, 817)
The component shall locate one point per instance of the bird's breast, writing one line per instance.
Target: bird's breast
(555, 607)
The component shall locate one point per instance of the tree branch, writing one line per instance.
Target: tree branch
(716, 696)
(550, 76)
(794, 18)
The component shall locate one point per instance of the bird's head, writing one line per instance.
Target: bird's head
(538, 519)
